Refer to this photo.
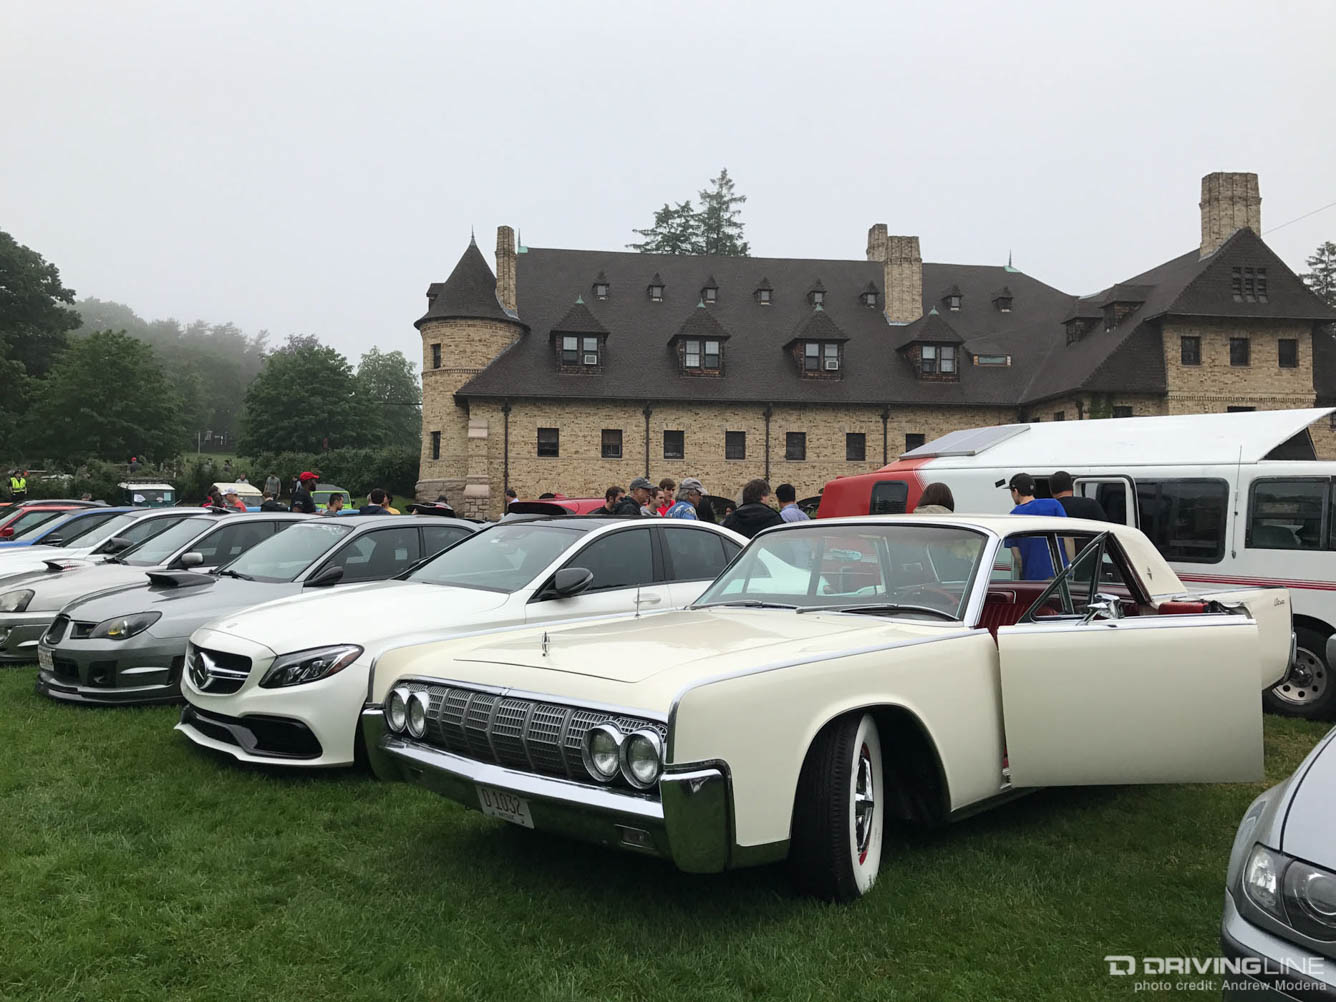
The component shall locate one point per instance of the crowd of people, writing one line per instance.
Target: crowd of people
(302, 498)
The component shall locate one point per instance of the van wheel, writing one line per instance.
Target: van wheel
(1307, 689)
(838, 815)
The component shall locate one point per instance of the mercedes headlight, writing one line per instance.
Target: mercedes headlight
(309, 666)
(603, 752)
(417, 714)
(15, 601)
(124, 627)
(396, 710)
(642, 758)
(1298, 894)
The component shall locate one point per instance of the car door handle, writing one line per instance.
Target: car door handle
(649, 599)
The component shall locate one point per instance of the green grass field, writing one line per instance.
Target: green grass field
(135, 866)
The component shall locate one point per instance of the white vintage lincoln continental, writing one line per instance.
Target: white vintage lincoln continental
(840, 674)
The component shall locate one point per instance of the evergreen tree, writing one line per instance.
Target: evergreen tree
(718, 223)
(676, 230)
(1322, 278)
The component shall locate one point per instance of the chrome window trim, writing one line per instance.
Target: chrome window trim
(1079, 625)
(797, 663)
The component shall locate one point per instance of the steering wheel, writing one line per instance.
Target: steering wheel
(952, 601)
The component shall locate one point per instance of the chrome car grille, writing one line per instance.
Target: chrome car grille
(525, 734)
(216, 672)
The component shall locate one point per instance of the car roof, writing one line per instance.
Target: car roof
(240, 486)
(147, 485)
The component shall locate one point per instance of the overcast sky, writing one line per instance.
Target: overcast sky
(311, 167)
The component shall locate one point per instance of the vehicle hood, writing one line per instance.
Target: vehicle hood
(1311, 817)
(370, 615)
(54, 589)
(184, 608)
(655, 655)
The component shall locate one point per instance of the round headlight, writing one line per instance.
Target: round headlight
(602, 752)
(396, 710)
(417, 714)
(642, 758)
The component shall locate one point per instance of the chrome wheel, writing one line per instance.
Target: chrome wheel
(1305, 682)
(865, 804)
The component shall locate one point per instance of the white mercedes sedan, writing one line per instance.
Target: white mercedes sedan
(285, 682)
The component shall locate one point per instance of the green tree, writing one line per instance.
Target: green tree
(390, 394)
(304, 399)
(717, 222)
(676, 230)
(1322, 276)
(33, 320)
(106, 398)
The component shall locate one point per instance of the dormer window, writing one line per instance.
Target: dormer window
(655, 289)
(816, 295)
(1002, 300)
(952, 298)
(937, 358)
(579, 351)
(764, 292)
(1248, 285)
(709, 292)
(1076, 329)
(953, 302)
(700, 354)
(601, 286)
(868, 296)
(998, 360)
(1110, 317)
(821, 356)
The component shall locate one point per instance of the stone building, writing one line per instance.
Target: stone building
(571, 370)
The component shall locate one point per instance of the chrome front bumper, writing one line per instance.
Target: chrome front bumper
(690, 823)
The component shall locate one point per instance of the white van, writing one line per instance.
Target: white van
(1234, 499)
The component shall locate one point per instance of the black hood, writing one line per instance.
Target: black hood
(752, 518)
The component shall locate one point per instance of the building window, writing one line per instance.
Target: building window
(1248, 285)
(821, 356)
(1059, 415)
(1190, 350)
(763, 296)
(855, 446)
(1075, 330)
(870, 299)
(570, 350)
(936, 358)
(953, 302)
(436, 445)
(549, 442)
(709, 294)
(700, 354)
(656, 293)
(1122, 411)
(817, 297)
(1003, 304)
(1239, 351)
(711, 354)
(612, 443)
(674, 444)
(992, 359)
(691, 354)
(1239, 409)
(913, 440)
(436, 356)
(600, 290)
(1289, 353)
(1110, 317)
(795, 445)
(735, 445)
(589, 351)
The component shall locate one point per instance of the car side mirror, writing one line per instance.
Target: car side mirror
(326, 577)
(115, 544)
(570, 581)
(6, 532)
(192, 559)
(1106, 606)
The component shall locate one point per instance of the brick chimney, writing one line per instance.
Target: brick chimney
(876, 242)
(1229, 202)
(505, 268)
(902, 266)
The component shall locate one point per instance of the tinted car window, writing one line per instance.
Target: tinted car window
(889, 498)
(160, 546)
(141, 529)
(230, 541)
(1287, 514)
(438, 537)
(29, 521)
(618, 560)
(375, 556)
(283, 557)
(1185, 519)
(73, 529)
(694, 555)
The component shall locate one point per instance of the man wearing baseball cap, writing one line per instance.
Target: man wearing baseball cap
(1032, 551)
(685, 505)
(641, 493)
(302, 501)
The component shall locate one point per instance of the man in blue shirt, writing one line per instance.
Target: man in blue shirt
(1032, 551)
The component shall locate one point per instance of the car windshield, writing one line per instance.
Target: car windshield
(503, 558)
(911, 570)
(283, 557)
(158, 548)
(29, 521)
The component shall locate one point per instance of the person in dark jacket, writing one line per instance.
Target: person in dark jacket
(610, 498)
(634, 502)
(271, 503)
(1060, 486)
(377, 497)
(302, 501)
(755, 513)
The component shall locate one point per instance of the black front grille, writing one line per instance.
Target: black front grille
(275, 736)
(525, 734)
(102, 673)
(64, 668)
(56, 632)
(214, 671)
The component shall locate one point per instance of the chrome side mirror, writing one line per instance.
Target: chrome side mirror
(1104, 606)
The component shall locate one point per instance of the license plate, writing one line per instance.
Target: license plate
(44, 659)
(506, 806)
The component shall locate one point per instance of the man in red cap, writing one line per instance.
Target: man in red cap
(302, 501)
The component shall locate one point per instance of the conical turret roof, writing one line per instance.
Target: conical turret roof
(469, 292)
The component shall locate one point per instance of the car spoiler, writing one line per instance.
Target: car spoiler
(177, 579)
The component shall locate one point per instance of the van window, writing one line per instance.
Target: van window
(1185, 519)
(1287, 514)
(889, 497)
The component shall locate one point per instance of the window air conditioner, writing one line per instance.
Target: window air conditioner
(832, 364)
(591, 360)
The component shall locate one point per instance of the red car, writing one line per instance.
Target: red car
(559, 505)
(18, 521)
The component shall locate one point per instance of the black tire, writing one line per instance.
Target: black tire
(831, 854)
(1308, 689)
